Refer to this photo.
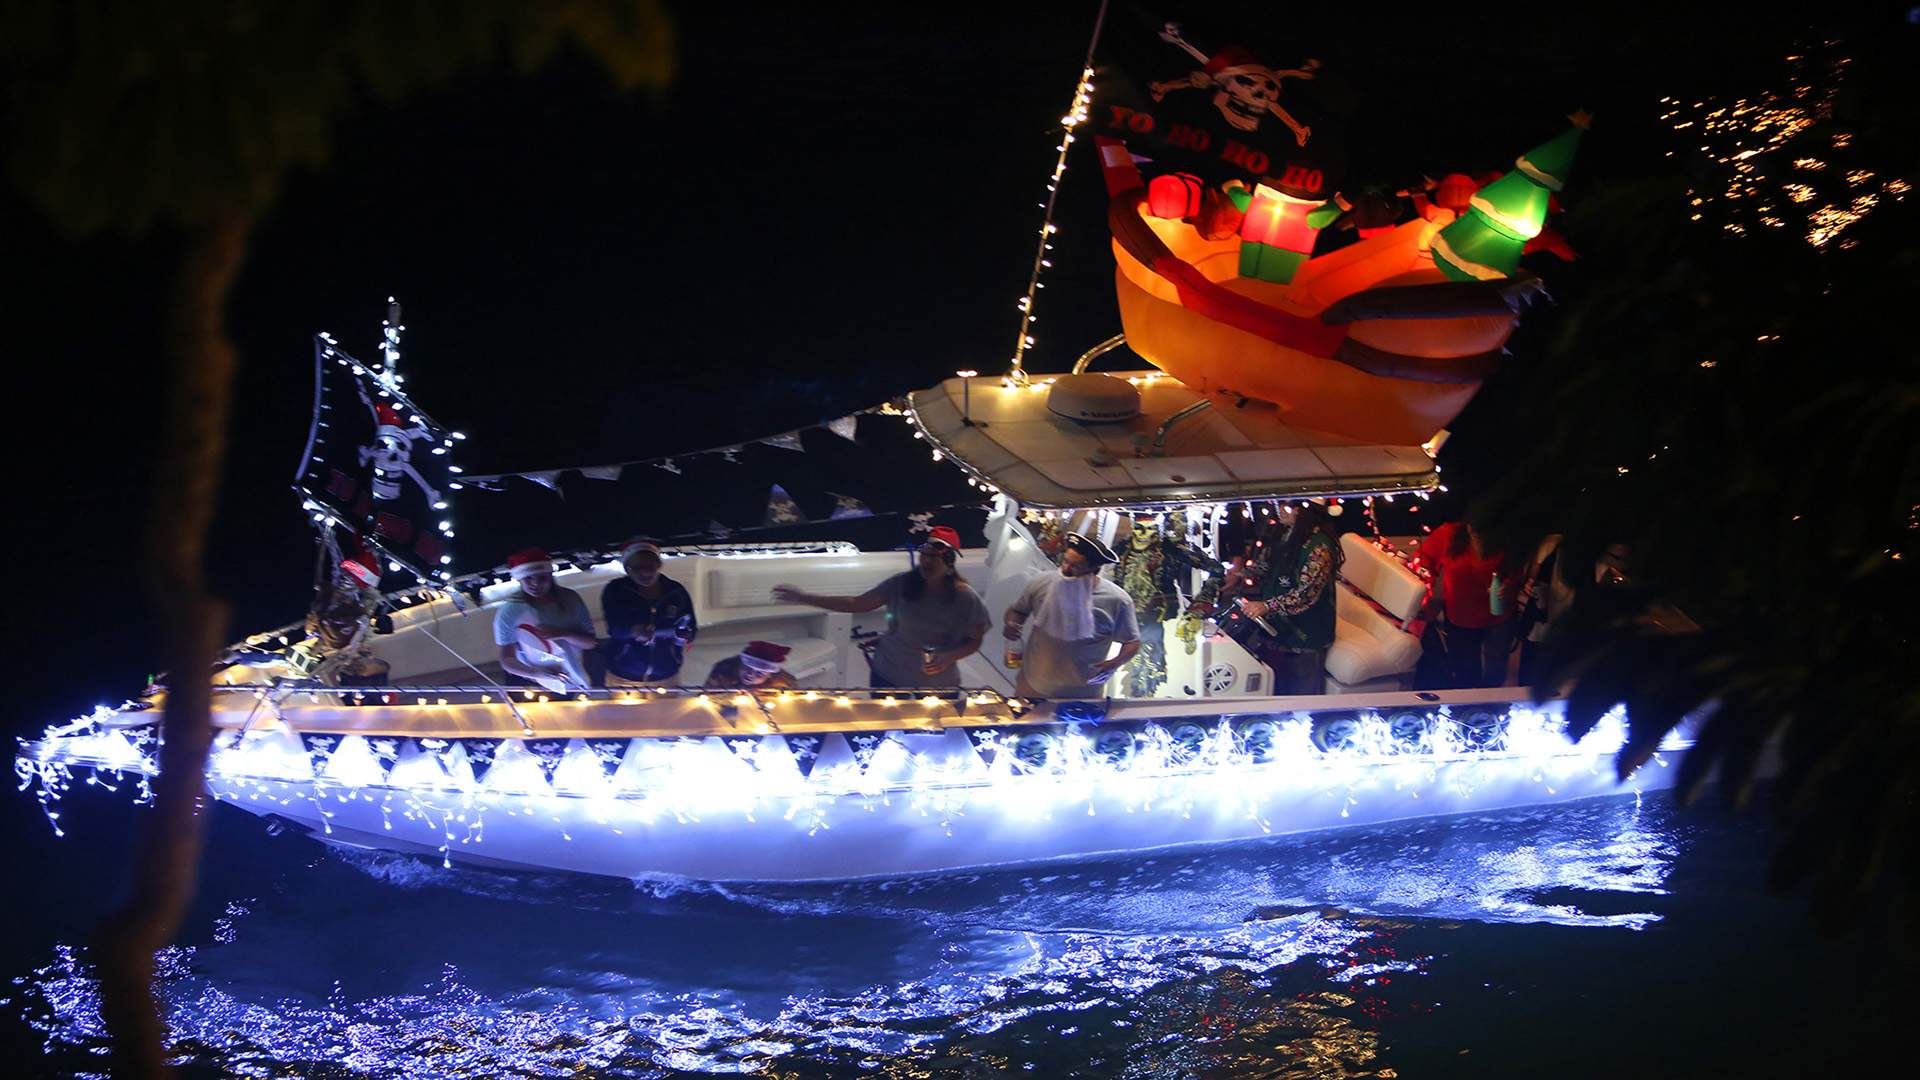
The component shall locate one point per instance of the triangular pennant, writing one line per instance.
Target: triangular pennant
(788, 441)
(731, 455)
(548, 479)
(919, 523)
(714, 528)
(805, 748)
(781, 509)
(602, 472)
(846, 506)
(610, 752)
(319, 748)
(548, 752)
(667, 464)
(845, 426)
(480, 755)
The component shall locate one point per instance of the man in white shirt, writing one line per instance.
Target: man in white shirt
(542, 629)
(1078, 616)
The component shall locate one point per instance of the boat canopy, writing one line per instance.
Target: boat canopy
(1183, 447)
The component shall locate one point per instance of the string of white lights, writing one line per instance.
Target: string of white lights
(1077, 114)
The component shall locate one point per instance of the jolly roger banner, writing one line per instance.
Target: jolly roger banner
(378, 464)
(1199, 100)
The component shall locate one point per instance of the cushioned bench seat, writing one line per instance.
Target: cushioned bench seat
(1378, 593)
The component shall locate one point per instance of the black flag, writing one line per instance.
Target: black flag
(1199, 102)
(377, 465)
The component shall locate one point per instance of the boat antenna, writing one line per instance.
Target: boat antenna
(1076, 115)
(390, 328)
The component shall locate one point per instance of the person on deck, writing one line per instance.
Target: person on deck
(342, 620)
(542, 629)
(1297, 600)
(934, 618)
(1474, 585)
(1078, 617)
(650, 619)
(757, 667)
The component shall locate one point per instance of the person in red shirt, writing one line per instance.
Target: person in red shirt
(1472, 585)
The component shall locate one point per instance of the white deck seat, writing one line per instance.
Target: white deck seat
(1377, 594)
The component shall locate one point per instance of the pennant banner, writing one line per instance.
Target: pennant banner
(781, 509)
(846, 506)
(846, 427)
(377, 464)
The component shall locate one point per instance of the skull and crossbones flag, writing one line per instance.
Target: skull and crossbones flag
(377, 465)
(1198, 101)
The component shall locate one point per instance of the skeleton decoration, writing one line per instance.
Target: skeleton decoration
(391, 453)
(1245, 91)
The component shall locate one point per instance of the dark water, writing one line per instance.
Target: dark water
(1604, 938)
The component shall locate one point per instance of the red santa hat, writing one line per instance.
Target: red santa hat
(386, 415)
(525, 564)
(764, 656)
(1233, 60)
(363, 566)
(945, 534)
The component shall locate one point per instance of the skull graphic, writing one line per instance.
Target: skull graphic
(1245, 90)
(1245, 97)
(391, 454)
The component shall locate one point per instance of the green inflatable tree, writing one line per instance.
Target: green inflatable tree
(1486, 242)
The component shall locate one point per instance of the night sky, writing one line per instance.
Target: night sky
(823, 212)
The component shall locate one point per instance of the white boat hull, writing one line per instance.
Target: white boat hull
(731, 833)
(905, 833)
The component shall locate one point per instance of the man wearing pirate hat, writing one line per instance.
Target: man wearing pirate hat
(1078, 617)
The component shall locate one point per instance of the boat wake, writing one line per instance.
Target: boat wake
(1299, 942)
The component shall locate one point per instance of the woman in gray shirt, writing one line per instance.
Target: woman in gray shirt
(934, 618)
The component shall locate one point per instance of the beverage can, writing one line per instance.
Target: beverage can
(1015, 655)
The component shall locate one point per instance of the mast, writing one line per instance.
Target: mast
(1076, 115)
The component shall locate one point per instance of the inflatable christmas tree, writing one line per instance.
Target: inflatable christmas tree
(1485, 243)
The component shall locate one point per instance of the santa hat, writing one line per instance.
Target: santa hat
(764, 656)
(386, 415)
(364, 566)
(637, 545)
(945, 534)
(525, 564)
(1233, 60)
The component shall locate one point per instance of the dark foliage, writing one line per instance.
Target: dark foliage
(1740, 407)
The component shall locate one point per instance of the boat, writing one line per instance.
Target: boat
(1329, 387)
(833, 780)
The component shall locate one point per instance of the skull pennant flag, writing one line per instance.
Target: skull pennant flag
(1203, 102)
(377, 465)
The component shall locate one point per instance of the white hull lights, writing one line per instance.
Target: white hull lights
(827, 807)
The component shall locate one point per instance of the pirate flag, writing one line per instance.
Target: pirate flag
(378, 465)
(1202, 102)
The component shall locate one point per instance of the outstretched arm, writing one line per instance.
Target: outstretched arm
(850, 605)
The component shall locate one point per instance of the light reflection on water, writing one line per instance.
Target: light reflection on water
(1287, 957)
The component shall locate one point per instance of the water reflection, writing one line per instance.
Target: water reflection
(1290, 957)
